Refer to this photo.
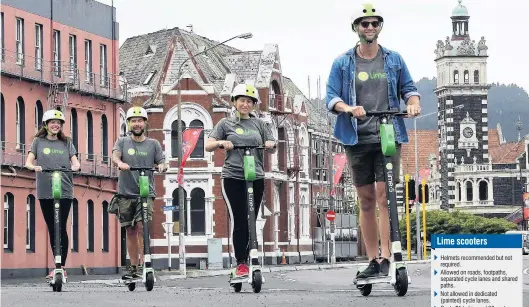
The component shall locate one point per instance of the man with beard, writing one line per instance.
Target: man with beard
(370, 77)
(135, 150)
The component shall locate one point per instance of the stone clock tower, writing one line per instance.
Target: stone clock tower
(461, 91)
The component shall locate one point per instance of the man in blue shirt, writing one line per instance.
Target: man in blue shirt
(370, 77)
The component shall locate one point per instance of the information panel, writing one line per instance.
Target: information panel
(477, 270)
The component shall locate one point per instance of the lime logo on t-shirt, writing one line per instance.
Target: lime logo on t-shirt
(245, 131)
(239, 131)
(133, 152)
(363, 76)
(48, 151)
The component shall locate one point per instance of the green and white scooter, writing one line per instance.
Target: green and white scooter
(398, 273)
(255, 276)
(147, 278)
(56, 192)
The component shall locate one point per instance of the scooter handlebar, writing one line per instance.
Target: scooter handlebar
(387, 113)
(135, 168)
(52, 170)
(247, 146)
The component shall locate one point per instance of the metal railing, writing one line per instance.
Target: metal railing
(38, 69)
(15, 154)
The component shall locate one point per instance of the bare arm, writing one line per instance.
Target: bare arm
(30, 161)
(212, 144)
(116, 157)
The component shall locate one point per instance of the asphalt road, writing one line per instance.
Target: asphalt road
(332, 287)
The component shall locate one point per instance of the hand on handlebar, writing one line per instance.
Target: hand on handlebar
(414, 110)
(270, 144)
(37, 168)
(356, 111)
(123, 166)
(227, 145)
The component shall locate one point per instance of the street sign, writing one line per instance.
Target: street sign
(170, 208)
(331, 215)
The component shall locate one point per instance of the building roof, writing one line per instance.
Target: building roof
(507, 152)
(143, 54)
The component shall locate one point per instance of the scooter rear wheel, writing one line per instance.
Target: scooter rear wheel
(401, 286)
(149, 281)
(257, 281)
(57, 287)
(132, 286)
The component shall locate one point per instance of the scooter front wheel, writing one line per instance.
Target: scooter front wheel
(132, 286)
(237, 287)
(57, 287)
(401, 286)
(257, 281)
(149, 281)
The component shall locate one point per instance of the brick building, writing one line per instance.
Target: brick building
(53, 56)
(468, 166)
(293, 175)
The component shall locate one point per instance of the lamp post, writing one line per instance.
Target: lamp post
(181, 204)
(417, 182)
(524, 226)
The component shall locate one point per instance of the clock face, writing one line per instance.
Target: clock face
(468, 132)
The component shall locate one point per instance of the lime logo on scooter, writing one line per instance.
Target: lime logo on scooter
(250, 190)
(239, 131)
(48, 151)
(133, 152)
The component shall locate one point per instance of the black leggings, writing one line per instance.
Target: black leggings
(234, 192)
(46, 205)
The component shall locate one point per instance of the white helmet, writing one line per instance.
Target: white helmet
(366, 10)
(136, 112)
(53, 114)
(246, 90)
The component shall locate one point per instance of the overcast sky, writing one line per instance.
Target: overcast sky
(310, 34)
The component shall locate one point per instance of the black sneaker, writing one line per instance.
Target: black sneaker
(384, 267)
(130, 273)
(372, 270)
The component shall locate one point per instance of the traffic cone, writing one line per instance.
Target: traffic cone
(283, 259)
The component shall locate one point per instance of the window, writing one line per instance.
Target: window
(20, 124)
(38, 46)
(198, 212)
(19, 41)
(104, 139)
(104, 232)
(103, 65)
(30, 223)
(88, 61)
(176, 214)
(174, 137)
(466, 76)
(89, 136)
(476, 76)
(291, 214)
(2, 121)
(9, 206)
(73, 128)
(57, 53)
(75, 226)
(2, 36)
(456, 76)
(38, 115)
(198, 152)
(123, 124)
(90, 226)
(72, 47)
(149, 78)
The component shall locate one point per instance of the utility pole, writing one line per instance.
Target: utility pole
(331, 197)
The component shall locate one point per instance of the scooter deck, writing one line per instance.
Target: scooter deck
(381, 279)
(131, 281)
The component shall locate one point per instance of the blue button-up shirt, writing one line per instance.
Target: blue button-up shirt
(341, 87)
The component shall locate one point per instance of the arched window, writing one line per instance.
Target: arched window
(176, 214)
(104, 138)
(456, 76)
(105, 225)
(476, 76)
(74, 128)
(470, 195)
(30, 223)
(20, 123)
(89, 136)
(9, 221)
(90, 226)
(175, 136)
(198, 212)
(38, 115)
(198, 152)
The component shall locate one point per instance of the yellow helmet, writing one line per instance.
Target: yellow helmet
(366, 10)
(136, 112)
(246, 90)
(53, 114)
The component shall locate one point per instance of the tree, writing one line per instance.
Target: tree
(442, 222)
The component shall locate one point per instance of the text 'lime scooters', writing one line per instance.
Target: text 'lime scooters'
(255, 276)
(56, 192)
(147, 278)
(398, 273)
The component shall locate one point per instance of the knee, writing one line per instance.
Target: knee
(367, 203)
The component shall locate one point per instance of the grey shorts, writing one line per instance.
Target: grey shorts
(130, 210)
(366, 162)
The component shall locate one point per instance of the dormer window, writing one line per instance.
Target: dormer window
(149, 78)
(151, 49)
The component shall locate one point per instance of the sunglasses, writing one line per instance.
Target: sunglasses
(365, 24)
